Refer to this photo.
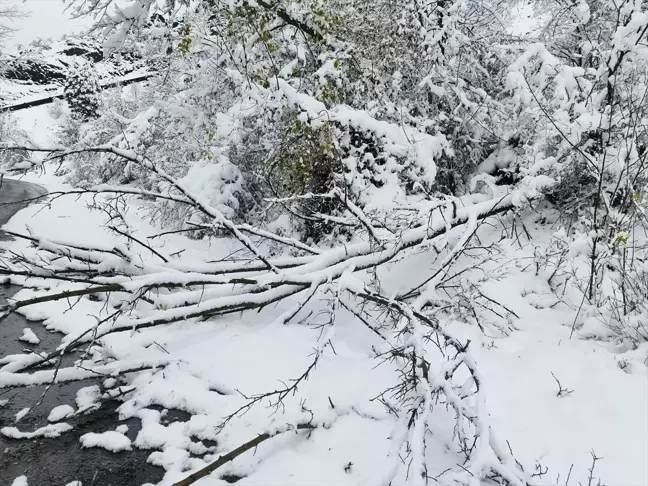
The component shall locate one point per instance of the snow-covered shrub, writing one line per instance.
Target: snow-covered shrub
(384, 102)
(574, 190)
(218, 182)
(81, 92)
(584, 113)
(387, 101)
(11, 135)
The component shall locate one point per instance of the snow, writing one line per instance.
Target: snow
(50, 431)
(110, 440)
(330, 456)
(22, 413)
(522, 400)
(20, 481)
(28, 336)
(531, 392)
(88, 397)
(524, 334)
(59, 413)
(109, 383)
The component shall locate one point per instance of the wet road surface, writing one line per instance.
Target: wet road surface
(13, 191)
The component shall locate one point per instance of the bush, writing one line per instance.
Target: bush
(82, 92)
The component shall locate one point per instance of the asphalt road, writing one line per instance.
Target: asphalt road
(58, 462)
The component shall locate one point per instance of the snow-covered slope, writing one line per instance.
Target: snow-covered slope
(40, 71)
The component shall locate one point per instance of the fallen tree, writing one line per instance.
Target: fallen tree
(140, 294)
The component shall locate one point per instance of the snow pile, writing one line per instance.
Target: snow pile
(28, 336)
(50, 431)
(22, 413)
(59, 413)
(110, 440)
(20, 481)
(88, 398)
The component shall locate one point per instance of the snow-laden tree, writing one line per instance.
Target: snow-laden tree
(383, 99)
(9, 14)
(9, 133)
(81, 92)
(581, 98)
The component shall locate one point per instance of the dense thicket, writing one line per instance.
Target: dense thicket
(387, 101)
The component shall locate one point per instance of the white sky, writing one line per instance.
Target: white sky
(46, 19)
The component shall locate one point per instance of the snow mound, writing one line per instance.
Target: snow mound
(59, 413)
(22, 413)
(88, 397)
(50, 431)
(110, 440)
(28, 336)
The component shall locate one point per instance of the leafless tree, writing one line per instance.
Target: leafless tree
(9, 14)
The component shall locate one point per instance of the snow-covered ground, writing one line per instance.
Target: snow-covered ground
(210, 365)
